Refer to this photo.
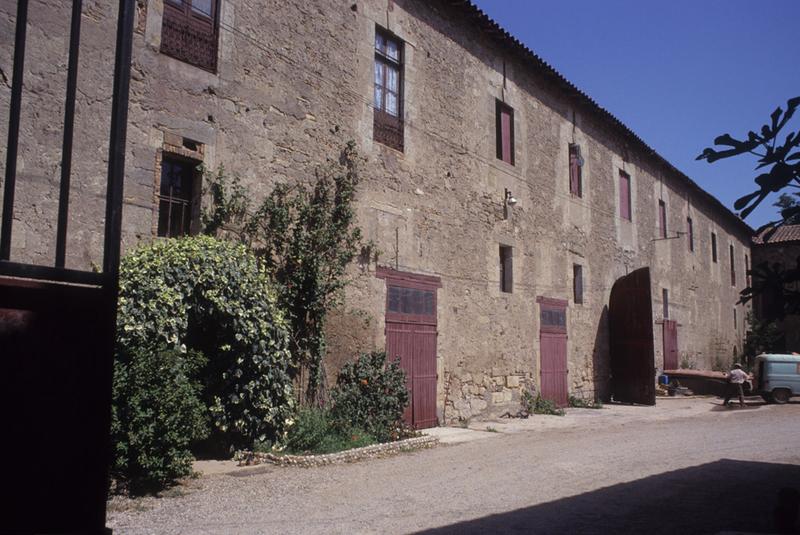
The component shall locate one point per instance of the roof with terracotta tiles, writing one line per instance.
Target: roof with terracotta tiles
(783, 234)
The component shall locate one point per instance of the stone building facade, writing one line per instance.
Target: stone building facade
(491, 184)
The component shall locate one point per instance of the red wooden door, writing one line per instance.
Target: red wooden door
(670, 345)
(411, 339)
(553, 349)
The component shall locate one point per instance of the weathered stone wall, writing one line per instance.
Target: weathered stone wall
(295, 81)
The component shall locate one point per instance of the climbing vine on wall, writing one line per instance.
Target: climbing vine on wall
(305, 235)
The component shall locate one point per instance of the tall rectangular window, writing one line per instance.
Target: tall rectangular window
(504, 123)
(665, 302)
(575, 168)
(625, 195)
(577, 283)
(713, 247)
(506, 269)
(662, 219)
(189, 32)
(733, 267)
(747, 270)
(735, 323)
(176, 197)
(690, 233)
(388, 116)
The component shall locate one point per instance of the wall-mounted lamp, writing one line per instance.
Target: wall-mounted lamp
(509, 201)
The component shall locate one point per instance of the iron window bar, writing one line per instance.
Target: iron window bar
(116, 156)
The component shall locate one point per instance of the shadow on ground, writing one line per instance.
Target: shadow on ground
(716, 497)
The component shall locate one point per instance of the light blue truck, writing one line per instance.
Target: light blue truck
(777, 376)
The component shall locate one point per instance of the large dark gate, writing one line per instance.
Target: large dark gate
(631, 328)
(57, 330)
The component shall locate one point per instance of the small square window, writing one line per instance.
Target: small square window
(505, 132)
(506, 269)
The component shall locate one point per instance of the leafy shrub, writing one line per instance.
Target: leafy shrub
(539, 405)
(211, 295)
(370, 394)
(315, 432)
(156, 414)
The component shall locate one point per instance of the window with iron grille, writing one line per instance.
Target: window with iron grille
(506, 269)
(575, 168)
(388, 116)
(176, 198)
(733, 267)
(714, 247)
(690, 233)
(625, 195)
(662, 219)
(577, 283)
(504, 124)
(189, 32)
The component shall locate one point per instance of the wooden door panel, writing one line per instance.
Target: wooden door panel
(670, 345)
(631, 344)
(424, 376)
(554, 367)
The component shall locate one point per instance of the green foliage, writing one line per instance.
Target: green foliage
(305, 234)
(538, 405)
(156, 415)
(782, 165)
(791, 206)
(211, 295)
(763, 336)
(582, 403)
(371, 394)
(316, 432)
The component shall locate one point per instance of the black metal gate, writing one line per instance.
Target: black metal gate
(631, 327)
(57, 329)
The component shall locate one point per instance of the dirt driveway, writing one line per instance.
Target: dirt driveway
(686, 465)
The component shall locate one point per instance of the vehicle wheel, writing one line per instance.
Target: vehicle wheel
(781, 395)
(766, 397)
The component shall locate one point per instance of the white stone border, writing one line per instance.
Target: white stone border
(347, 456)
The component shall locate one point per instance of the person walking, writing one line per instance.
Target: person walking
(736, 378)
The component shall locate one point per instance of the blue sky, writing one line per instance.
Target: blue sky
(677, 72)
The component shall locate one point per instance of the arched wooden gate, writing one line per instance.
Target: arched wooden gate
(631, 328)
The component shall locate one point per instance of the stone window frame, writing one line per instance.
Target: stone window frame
(178, 147)
(190, 35)
(389, 129)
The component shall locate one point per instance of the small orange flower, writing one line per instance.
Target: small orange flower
(364, 382)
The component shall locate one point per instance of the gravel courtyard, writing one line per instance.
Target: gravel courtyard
(685, 465)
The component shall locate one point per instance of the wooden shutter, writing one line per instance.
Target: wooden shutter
(624, 195)
(575, 185)
(505, 132)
